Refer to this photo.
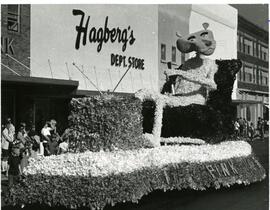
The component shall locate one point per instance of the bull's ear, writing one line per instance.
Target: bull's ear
(178, 35)
(184, 46)
(205, 25)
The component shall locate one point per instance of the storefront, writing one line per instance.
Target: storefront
(35, 100)
(64, 51)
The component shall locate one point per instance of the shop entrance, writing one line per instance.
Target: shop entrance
(36, 100)
(46, 109)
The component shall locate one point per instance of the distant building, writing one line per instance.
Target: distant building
(252, 96)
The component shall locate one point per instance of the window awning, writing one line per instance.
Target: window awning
(39, 86)
(37, 81)
(245, 102)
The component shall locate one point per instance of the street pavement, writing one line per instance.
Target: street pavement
(237, 197)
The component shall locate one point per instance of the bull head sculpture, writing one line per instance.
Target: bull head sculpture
(202, 42)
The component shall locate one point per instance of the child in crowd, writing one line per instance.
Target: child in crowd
(14, 162)
(25, 144)
(236, 128)
(55, 138)
(251, 131)
(63, 147)
(35, 141)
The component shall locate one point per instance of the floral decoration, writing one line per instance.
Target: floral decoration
(97, 179)
(125, 161)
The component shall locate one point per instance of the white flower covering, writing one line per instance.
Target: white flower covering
(161, 101)
(181, 140)
(177, 140)
(171, 101)
(203, 75)
(195, 78)
(107, 163)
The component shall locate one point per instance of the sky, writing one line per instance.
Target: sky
(255, 13)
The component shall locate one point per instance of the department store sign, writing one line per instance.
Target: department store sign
(100, 36)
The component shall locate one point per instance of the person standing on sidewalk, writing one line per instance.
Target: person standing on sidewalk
(14, 169)
(260, 127)
(251, 131)
(236, 128)
(6, 142)
(45, 139)
(25, 143)
(241, 123)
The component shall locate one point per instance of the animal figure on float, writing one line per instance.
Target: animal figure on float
(196, 76)
(192, 80)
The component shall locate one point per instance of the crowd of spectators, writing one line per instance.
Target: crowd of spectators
(19, 145)
(245, 128)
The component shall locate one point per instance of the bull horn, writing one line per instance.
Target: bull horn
(178, 35)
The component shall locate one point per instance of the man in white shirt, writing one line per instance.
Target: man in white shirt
(45, 137)
(6, 140)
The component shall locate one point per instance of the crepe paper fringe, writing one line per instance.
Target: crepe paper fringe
(97, 192)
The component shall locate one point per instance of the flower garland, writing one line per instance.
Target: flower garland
(117, 162)
(96, 179)
(182, 140)
(173, 140)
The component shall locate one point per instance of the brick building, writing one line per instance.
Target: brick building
(252, 80)
(15, 39)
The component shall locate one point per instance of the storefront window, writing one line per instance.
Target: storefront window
(264, 53)
(238, 42)
(265, 80)
(241, 44)
(163, 52)
(248, 73)
(248, 47)
(255, 52)
(243, 73)
(248, 113)
(13, 18)
(174, 54)
(240, 75)
(250, 77)
(254, 75)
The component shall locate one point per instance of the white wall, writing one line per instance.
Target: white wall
(171, 19)
(222, 21)
(53, 37)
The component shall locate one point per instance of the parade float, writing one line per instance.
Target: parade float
(122, 148)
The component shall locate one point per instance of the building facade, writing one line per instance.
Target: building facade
(24, 97)
(15, 39)
(252, 80)
(51, 53)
